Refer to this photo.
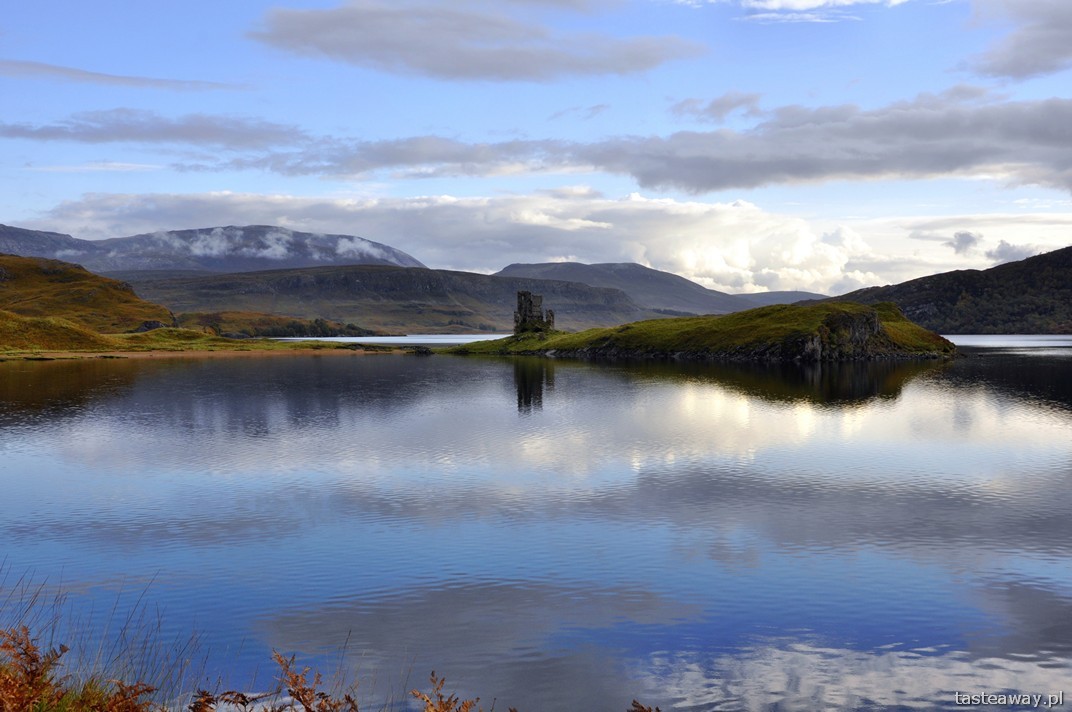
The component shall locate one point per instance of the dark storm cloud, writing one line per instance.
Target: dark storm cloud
(467, 41)
(40, 70)
(137, 126)
(1040, 44)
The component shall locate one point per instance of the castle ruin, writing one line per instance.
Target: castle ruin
(530, 315)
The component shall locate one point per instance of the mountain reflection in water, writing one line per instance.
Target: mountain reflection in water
(563, 535)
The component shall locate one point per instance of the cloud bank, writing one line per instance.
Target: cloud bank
(959, 133)
(734, 247)
(463, 41)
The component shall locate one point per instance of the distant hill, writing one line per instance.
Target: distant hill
(393, 299)
(653, 288)
(214, 249)
(38, 287)
(1032, 296)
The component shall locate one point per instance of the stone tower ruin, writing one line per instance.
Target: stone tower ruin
(530, 315)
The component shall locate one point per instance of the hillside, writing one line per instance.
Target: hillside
(29, 333)
(653, 288)
(213, 249)
(779, 333)
(36, 287)
(1032, 296)
(393, 299)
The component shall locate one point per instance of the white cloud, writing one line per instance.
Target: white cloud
(964, 242)
(98, 167)
(23, 69)
(1040, 43)
(718, 109)
(727, 246)
(463, 40)
(126, 125)
(735, 247)
(1005, 252)
(962, 132)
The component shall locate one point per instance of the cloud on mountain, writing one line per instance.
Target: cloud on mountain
(727, 246)
(463, 41)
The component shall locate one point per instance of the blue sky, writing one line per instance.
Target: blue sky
(745, 144)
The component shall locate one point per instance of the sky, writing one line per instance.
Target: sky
(749, 145)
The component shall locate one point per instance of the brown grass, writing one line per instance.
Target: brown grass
(31, 681)
(38, 287)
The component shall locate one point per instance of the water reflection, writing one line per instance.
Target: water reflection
(30, 389)
(531, 376)
(708, 537)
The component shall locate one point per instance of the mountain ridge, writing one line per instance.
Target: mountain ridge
(389, 298)
(1029, 296)
(213, 249)
(652, 288)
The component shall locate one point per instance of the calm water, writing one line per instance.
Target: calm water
(563, 536)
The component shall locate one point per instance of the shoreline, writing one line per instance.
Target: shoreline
(192, 353)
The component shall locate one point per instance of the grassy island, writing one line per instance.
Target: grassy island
(780, 333)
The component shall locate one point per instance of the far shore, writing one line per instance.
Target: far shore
(193, 353)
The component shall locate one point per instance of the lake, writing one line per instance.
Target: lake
(561, 535)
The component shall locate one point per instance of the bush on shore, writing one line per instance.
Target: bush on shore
(31, 681)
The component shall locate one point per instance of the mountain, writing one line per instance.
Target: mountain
(40, 288)
(393, 299)
(215, 249)
(1032, 296)
(653, 288)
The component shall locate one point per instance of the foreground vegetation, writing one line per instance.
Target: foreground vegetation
(31, 680)
(820, 332)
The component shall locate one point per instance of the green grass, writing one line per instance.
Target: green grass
(755, 331)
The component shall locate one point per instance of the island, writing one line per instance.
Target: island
(827, 332)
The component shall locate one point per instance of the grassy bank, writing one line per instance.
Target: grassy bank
(22, 336)
(834, 331)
